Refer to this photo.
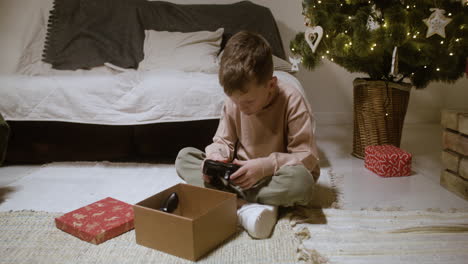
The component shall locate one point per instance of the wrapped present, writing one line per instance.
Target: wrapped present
(388, 161)
(99, 221)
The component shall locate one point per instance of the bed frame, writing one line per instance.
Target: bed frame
(36, 142)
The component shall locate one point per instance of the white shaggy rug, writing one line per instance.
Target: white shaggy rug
(323, 235)
(65, 186)
(32, 238)
(385, 237)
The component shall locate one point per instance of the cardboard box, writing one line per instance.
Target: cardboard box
(203, 219)
(99, 221)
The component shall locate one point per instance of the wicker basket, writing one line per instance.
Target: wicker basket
(379, 113)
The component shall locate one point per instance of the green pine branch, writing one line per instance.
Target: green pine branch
(361, 36)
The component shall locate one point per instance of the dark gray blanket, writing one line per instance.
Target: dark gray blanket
(245, 15)
(87, 33)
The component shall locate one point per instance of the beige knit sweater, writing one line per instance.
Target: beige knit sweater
(280, 134)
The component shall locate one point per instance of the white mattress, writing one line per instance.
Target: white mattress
(127, 98)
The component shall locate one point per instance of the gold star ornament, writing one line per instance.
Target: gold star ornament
(436, 23)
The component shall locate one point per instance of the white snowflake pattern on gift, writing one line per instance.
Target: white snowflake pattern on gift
(79, 216)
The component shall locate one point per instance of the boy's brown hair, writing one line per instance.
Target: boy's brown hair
(247, 57)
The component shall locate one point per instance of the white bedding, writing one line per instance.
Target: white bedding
(102, 95)
(127, 98)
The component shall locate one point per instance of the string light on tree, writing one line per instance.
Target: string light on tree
(362, 35)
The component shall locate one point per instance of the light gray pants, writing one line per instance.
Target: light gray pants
(289, 186)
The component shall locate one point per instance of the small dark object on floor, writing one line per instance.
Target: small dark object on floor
(171, 203)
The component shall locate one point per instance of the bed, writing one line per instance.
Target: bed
(123, 79)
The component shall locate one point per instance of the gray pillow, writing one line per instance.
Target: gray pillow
(282, 65)
(245, 15)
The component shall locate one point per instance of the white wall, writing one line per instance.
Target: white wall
(18, 20)
(328, 88)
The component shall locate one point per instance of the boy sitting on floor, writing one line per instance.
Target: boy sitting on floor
(266, 127)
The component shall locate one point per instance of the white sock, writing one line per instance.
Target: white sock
(258, 219)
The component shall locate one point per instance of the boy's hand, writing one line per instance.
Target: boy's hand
(249, 174)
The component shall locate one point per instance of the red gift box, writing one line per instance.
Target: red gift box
(99, 221)
(388, 161)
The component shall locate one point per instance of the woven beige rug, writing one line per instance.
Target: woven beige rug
(384, 237)
(31, 237)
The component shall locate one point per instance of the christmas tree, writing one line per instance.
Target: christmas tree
(419, 41)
